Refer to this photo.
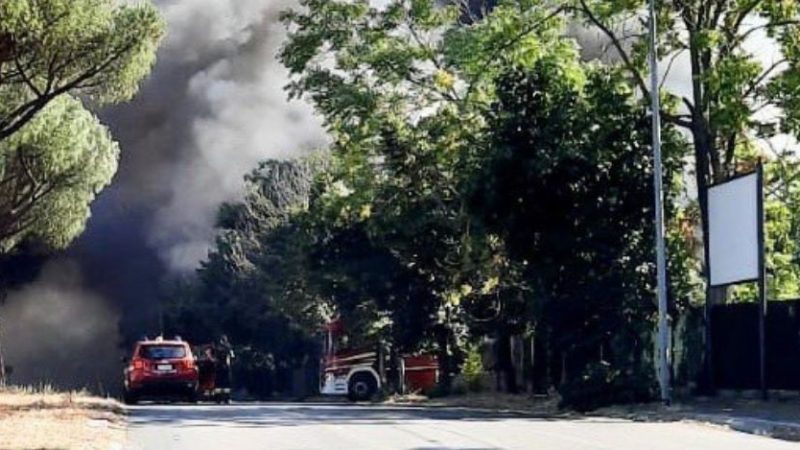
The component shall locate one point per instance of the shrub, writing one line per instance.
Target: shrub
(473, 371)
(602, 385)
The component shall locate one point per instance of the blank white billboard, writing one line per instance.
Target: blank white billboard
(733, 220)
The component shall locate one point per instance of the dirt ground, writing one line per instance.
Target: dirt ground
(43, 419)
(498, 401)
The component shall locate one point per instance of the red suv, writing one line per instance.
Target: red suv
(161, 368)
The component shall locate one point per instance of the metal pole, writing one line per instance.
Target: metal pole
(762, 288)
(661, 257)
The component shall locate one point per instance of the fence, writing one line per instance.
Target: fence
(735, 345)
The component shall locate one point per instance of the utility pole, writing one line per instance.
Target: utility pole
(661, 254)
(762, 287)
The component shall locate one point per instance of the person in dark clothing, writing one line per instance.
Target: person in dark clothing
(223, 352)
(207, 365)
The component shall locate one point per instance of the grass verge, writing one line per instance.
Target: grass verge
(45, 419)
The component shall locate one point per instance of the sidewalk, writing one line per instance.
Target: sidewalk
(778, 418)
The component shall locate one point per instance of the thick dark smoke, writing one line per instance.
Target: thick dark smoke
(212, 109)
(57, 329)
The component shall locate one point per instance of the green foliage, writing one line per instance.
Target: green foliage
(483, 180)
(99, 49)
(601, 385)
(426, 113)
(405, 90)
(376, 296)
(572, 168)
(738, 100)
(472, 370)
(55, 156)
(782, 232)
(51, 171)
(783, 226)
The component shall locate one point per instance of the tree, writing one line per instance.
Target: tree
(404, 89)
(569, 189)
(50, 172)
(376, 296)
(97, 49)
(736, 100)
(55, 156)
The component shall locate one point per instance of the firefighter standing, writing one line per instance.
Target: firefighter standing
(224, 354)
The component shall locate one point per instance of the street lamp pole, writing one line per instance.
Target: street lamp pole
(661, 257)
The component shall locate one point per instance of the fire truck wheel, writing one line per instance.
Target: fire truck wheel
(362, 387)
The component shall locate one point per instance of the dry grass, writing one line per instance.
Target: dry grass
(38, 419)
(489, 400)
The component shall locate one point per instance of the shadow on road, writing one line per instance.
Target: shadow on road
(283, 415)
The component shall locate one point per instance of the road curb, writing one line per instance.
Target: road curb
(788, 431)
(777, 429)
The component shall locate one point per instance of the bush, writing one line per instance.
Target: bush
(603, 385)
(473, 371)
(439, 391)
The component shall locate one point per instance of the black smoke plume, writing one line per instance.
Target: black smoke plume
(213, 107)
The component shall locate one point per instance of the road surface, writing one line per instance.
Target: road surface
(349, 427)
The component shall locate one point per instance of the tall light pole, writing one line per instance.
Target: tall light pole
(661, 253)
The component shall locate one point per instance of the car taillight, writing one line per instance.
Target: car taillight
(138, 364)
(188, 364)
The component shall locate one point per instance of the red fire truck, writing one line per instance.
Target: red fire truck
(360, 373)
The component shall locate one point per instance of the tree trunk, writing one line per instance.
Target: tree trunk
(445, 358)
(505, 362)
(3, 379)
(395, 376)
(714, 295)
(541, 361)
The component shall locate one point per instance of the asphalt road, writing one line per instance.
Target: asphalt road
(348, 427)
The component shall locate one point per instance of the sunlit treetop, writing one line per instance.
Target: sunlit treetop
(96, 49)
(408, 57)
(50, 172)
(742, 56)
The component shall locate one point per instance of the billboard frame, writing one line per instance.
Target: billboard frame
(759, 173)
(761, 277)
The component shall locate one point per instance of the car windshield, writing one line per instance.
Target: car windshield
(162, 351)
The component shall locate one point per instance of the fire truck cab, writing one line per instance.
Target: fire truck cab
(351, 372)
(360, 373)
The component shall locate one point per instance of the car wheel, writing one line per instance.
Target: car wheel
(130, 398)
(362, 387)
